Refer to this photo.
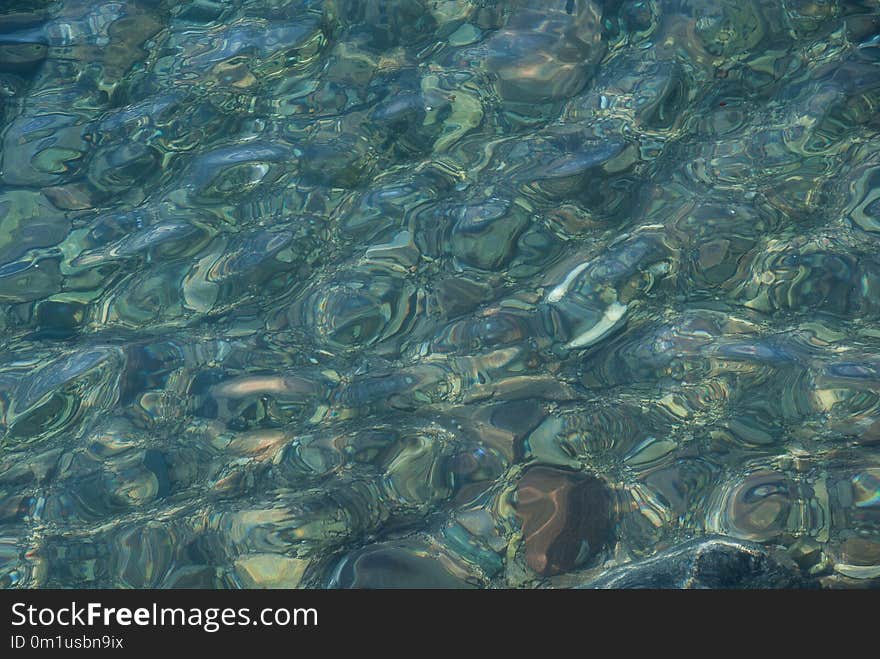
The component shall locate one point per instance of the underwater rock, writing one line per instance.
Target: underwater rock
(394, 565)
(232, 171)
(68, 391)
(546, 51)
(339, 161)
(810, 275)
(566, 518)
(361, 310)
(710, 562)
(382, 24)
(23, 45)
(43, 150)
(484, 235)
(647, 95)
(28, 221)
(270, 571)
(119, 167)
(595, 297)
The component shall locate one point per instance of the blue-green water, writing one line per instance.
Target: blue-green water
(510, 293)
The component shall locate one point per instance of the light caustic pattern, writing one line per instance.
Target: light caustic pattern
(525, 293)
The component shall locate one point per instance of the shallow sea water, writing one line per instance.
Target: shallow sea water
(442, 293)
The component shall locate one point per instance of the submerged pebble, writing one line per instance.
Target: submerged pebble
(566, 518)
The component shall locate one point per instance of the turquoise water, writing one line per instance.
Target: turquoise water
(436, 293)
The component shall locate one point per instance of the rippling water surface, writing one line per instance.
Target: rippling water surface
(514, 293)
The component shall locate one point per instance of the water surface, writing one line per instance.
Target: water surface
(453, 293)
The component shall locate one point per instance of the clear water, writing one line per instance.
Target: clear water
(447, 293)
